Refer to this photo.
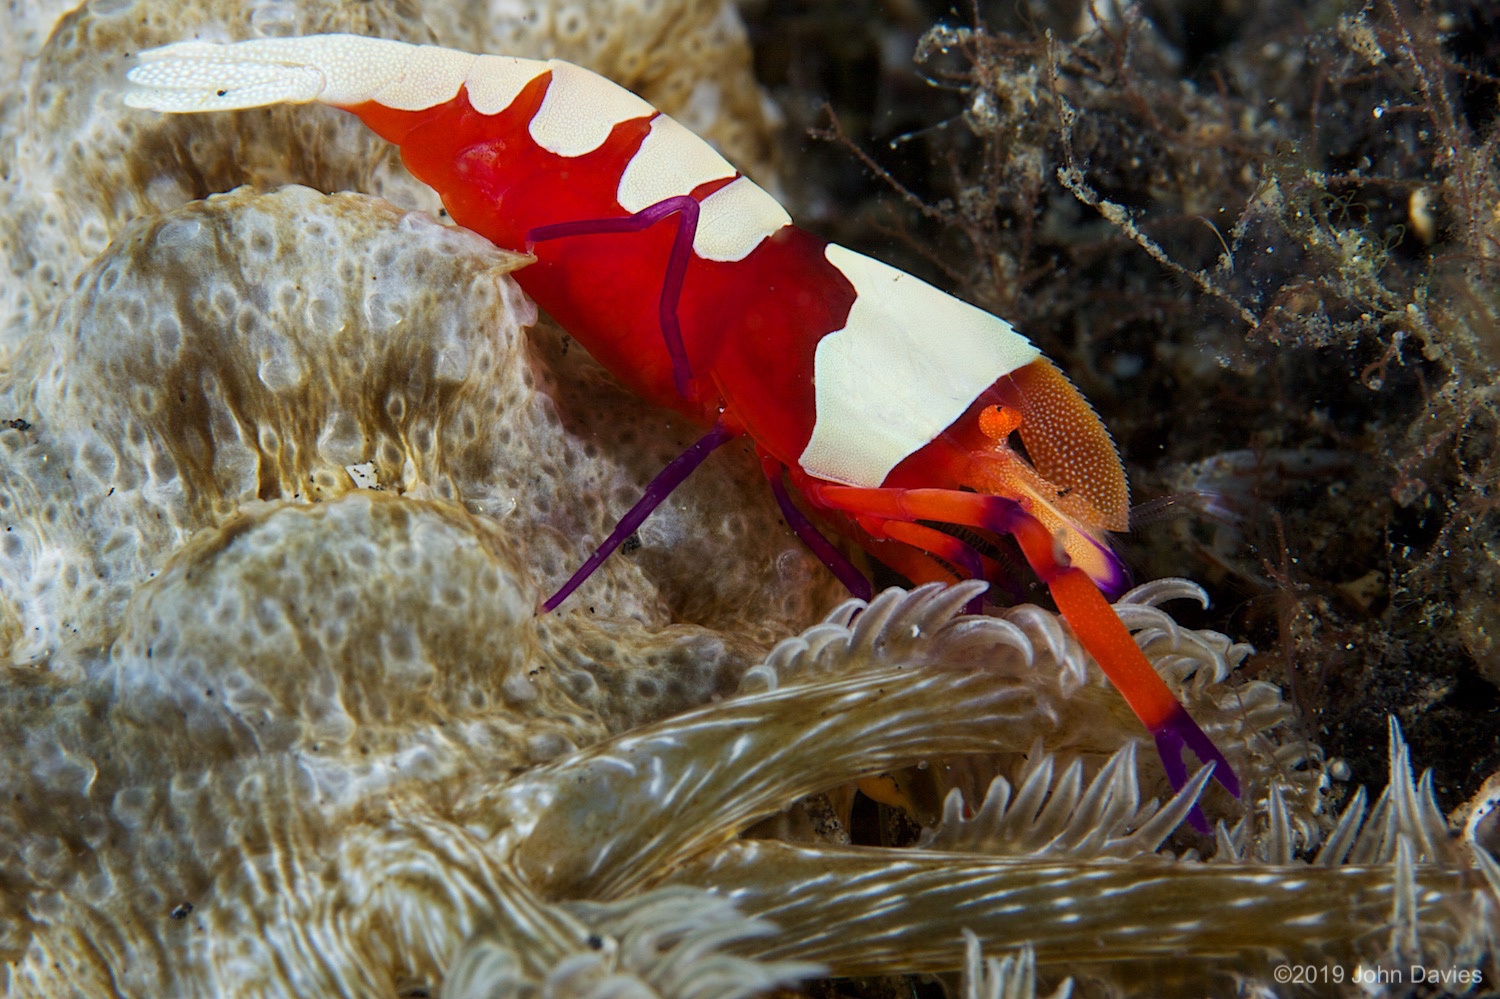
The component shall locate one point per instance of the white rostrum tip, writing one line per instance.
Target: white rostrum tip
(334, 69)
(197, 76)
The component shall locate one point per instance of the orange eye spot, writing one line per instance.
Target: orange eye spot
(999, 422)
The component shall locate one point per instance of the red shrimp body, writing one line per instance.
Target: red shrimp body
(750, 326)
(888, 404)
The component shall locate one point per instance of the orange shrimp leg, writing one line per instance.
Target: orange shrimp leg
(1098, 628)
(935, 542)
(676, 272)
(657, 490)
(1100, 631)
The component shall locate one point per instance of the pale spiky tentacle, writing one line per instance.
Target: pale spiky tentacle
(1400, 904)
(1010, 977)
(667, 944)
(1061, 818)
(1251, 721)
(694, 781)
(663, 805)
(846, 699)
(893, 622)
(1407, 808)
(906, 909)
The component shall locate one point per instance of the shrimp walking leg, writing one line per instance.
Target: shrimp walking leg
(854, 580)
(1098, 628)
(659, 489)
(945, 546)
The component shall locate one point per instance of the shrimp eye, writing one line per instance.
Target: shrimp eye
(999, 422)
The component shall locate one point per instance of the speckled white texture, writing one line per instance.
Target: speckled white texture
(183, 541)
(580, 109)
(336, 69)
(495, 81)
(670, 162)
(734, 220)
(688, 58)
(341, 70)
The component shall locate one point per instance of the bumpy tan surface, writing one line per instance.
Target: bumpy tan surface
(283, 475)
(256, 347)
(189, 560)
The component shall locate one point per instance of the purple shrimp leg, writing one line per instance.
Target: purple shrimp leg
(963, 555)
(854, 580)
(660, 488)
(682, 375)
(671, 284)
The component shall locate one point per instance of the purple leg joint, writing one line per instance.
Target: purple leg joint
(1181, 731)
(974, 566)
(671, 283)
(660, 488)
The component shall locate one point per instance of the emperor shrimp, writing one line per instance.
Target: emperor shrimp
(886, 403)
